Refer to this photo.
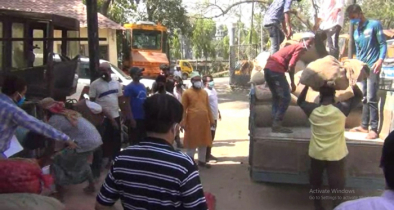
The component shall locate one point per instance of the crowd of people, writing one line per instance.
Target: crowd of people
(153, 174)
(151, 167)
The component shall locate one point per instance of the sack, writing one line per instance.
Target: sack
(264, 95)
(356, 71)
(22, 176)
(294, 116)
(20, 201)
(327, 69)
(257, 75)
(300, 66)
(211, 200)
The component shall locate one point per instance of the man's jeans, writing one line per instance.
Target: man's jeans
(276, 36)
(281, 97)
(332, 40)
(370, 114)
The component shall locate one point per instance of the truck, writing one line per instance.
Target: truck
(145, 45)
(283, 158)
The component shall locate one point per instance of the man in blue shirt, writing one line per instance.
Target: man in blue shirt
(136, 93)
(371, 49)
(277, 14)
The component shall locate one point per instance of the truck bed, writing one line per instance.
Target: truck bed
(283, 158)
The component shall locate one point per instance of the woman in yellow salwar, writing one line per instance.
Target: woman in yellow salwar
(197, 120)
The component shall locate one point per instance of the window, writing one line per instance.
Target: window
(83, 71)
(72, 46)
(18, 57)
(145, 39)
(37, 50)
(187, 64)
(103, 50)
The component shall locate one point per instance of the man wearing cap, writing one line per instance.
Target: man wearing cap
(197, 120)
(274, 72)
(108, 93)
(330, 21)
(136, 94)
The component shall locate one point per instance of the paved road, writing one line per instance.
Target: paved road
(228, 179)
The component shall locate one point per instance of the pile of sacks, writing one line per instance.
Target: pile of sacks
(342, 76)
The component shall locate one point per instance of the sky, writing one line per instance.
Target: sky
(226, 19)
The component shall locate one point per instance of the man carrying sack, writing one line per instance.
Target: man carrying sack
(371, 49)
(274, 72)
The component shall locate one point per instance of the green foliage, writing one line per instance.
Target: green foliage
(170, 13)
(203, 38)
(175, 44)
(382, 10)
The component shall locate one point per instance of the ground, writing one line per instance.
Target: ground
(228, 179)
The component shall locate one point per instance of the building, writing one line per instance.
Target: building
(74, 9)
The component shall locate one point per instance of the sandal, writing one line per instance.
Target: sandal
(359, 129)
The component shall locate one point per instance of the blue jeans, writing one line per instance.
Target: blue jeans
(276, 36)
(280, 90)
(370, 115)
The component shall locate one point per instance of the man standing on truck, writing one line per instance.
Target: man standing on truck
(327, 147)
(371, 48)
(274, 72)
(330, 21)
(278, 13)
(109, 94)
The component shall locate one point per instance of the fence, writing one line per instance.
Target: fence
(240, 63)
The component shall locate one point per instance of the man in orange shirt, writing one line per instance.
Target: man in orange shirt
(274, 72)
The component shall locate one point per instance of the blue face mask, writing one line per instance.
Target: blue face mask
(211, 84)
(21, 101)
(355, 21)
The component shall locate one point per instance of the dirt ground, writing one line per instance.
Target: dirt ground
(228, 179)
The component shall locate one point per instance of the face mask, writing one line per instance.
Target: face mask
(304, 43)
(105, 76)
(197, 84)
(211, 84)
(355, 21)
(21, 101)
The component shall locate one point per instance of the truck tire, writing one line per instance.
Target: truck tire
(185, 76)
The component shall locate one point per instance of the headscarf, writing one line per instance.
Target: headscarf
(57, 107)
(194, 74)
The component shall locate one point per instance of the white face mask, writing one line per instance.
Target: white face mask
(303, 42)
(197, 84)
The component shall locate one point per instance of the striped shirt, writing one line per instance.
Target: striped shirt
(11, 116)
(276, 12)
(152, 175)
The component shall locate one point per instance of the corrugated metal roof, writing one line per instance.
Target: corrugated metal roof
(69, 8)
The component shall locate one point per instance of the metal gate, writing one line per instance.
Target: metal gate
(241, 65)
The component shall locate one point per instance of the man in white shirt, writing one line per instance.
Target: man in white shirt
(386, 201)
(109, 94)
(209, 85)
(178, 72)
(330, 20)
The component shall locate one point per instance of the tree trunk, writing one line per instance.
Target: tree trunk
(105, 7)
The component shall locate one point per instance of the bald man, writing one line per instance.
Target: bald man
(109, 94)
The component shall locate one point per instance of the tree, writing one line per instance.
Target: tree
(175, 44)
(203, 36)
(170, 13)
(383, 10)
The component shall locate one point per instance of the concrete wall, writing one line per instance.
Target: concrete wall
(109, 34)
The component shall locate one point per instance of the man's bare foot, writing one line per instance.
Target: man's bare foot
(359, 129)
(372, 135)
